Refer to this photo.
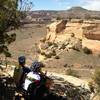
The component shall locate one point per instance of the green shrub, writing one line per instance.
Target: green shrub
(75, 48)
(57, 57)
(71, 72)
(50, 43)
(96, 78)
(87, 50)
(53, 53)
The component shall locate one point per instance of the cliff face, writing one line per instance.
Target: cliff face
(64, 36)
(87, 31)
(55, 29)
(58, 31)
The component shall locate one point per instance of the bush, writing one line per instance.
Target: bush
(66, 65)
(99, 55)
(87, 50)
(53, 53)
(57, 57)
(75, 48)
(50, 43)
(72, 72)
(96, 78)
(48, 55)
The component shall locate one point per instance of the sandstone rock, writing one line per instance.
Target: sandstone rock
(90, 29)
(77, 45)
(50, 53)
(55, 28)
(76, 20)
(94, 45)
(65, 35)
(41, 57)
(44, 46)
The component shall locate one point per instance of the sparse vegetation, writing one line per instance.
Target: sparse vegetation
(57, 57)
(71, 72)
(96, 78)
(9, 18)
(58, 18)
(75, 48)
(65, 65)
(87, 50)
(50, 43)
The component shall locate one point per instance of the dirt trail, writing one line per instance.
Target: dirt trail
(75, 81)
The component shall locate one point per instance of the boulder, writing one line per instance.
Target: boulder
(54, 29)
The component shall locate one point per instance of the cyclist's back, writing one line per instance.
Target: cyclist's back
(20, 72)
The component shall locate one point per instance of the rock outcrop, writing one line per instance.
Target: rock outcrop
(70, 35)
(58, 30)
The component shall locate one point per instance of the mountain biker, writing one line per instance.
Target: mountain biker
(43, 90)
(20, 72)
(35, 75)
(34, 80)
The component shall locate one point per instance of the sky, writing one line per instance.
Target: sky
(65, 4)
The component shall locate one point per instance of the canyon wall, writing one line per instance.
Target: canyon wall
(87, 31)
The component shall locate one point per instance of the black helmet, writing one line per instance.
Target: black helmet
(21, 59)
(35, 65)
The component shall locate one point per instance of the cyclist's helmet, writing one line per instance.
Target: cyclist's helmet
(21, 59)
(36, 65)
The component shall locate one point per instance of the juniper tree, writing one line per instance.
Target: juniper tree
(9, 17)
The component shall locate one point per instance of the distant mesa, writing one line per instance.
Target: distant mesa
(77, 8)
(47, 16)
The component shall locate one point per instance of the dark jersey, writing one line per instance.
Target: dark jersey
(25, 71)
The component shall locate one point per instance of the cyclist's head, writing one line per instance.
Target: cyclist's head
(21, 60)
(36, 66)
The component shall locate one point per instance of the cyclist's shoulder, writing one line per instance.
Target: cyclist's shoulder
(26, 69)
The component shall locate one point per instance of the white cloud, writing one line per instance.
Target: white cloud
(92, 5)
(88, 4)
